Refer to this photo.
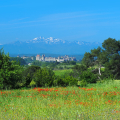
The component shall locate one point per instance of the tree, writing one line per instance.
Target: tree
(28, 74)
(88, 76)
(109, 56)
(72, 63)
(10, 72)
(77, 70)
(44, 77)
(28, 79)
(111, 46)
(70, 81)
(37, 63)
(112, 51)
(88, 59)
(18, 60)
(97, 56)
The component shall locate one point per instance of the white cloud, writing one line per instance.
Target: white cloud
(35, 39)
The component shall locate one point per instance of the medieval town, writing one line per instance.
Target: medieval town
(53, 59)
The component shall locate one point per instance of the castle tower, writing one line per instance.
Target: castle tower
(59, 59)
(38, 57)
(43, 57)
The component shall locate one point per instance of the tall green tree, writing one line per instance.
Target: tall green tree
(97, 56)
(88, 59)
(10, 73)
(109, 56)
(111, 48)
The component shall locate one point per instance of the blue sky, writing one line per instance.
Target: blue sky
(83, 20)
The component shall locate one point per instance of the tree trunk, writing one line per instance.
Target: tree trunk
(99, 69)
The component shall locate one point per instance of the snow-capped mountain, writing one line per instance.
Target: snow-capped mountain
(49, 45)
(49, 40)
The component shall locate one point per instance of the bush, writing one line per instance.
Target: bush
(77, 70)
(69, 80)
(19, 85)
(72, 62)
(32, 83)
(83, 83)
(28, 79)
(59, 81)
(60, 68)
(44, 77)
(88, 76)
(28, 74)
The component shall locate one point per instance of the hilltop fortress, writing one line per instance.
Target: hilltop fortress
(53, 59)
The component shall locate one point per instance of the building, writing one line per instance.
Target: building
(38, 57)
(53, 59)
(24, 57)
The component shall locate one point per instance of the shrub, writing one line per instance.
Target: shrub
(32, 83)
(77, 70)
(88, 76)
(66, 81)
(44, 77)
(59, 81)
(28, 74)
(83, 83)
(60, 68)
(69, 80)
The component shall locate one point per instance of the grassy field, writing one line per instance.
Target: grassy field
(65, 66)
(99, 101)
(62, 72)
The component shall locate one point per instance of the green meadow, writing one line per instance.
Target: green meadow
(62, 72)
(100, 101)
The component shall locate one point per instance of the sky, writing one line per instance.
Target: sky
(82, 20)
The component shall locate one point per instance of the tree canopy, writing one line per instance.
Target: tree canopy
(19, 60)
(10, 73)
(107, 56)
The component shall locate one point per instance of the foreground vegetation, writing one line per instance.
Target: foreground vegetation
(100, 101)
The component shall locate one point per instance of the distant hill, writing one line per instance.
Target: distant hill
(49, 46)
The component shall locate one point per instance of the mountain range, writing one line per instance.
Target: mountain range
(50, 45)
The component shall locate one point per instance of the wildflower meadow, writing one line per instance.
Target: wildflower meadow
(99, 101)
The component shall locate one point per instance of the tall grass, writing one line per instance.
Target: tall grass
(99, 101)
